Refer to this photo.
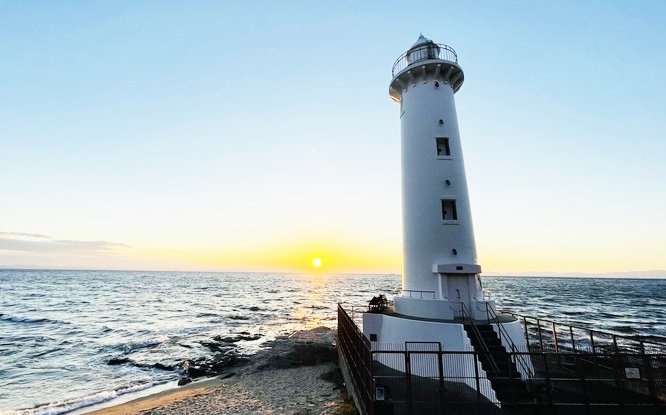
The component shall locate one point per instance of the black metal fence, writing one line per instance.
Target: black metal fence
(420, 378)
(548, 336)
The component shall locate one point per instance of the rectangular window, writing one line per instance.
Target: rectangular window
(443, 149)
(449, 211)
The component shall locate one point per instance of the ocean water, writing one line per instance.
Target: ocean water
(60, 329)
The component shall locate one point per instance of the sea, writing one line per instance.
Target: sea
(59, 330)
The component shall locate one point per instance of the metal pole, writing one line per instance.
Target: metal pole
(372, 397)
(511, 377)
(583, 381)
(548, 384)
(440, 363)
(373, 383)
(540, 337)
(527, 337)
(573, 341)
(594, 350)
(650, 377)
(478, 383)
(408, 379)
(617, 364)
(557, 348)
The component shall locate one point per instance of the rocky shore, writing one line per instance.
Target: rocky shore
(298, 374)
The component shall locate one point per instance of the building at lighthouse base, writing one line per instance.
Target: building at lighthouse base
(389, 331)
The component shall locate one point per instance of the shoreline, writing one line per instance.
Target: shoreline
(153, 400)
(295, 374)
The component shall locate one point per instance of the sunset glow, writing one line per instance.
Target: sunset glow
(159, 149)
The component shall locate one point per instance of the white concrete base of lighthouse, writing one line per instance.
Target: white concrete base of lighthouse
(387, 331)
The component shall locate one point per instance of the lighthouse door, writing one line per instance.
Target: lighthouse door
(459, 292)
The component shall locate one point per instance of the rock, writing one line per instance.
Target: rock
(198, 371)
(118, 361)
(335, 377)
(310, 354)
(163, 367)
(184, 381)
(244, 336)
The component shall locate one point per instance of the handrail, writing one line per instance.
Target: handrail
(505, 334)
(661, 345)
(477, 333)
(427, 51)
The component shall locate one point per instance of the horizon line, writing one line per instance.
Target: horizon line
(541, 274)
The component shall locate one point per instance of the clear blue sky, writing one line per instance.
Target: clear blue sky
(256, 135)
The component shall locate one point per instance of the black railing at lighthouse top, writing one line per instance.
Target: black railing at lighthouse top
(427, 51)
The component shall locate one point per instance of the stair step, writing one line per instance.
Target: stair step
(501, 371)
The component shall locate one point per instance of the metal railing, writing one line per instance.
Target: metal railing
(427, 51)
(524, 366)
(356, 351)
(484, 347)
(549, 336)
(420, 378)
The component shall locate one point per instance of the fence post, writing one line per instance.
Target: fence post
(594, 351)
(527, 337)
(512, 376)
(408, 379)
(618, 383)
(440, 363)
(548, 384)
(373, 382)
(373, 397)
(540, 337)
(478, 383)
(583, 381)
(557, 347)
(650, 375)
(573, 340)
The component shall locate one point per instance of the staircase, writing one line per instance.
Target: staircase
(501, 371)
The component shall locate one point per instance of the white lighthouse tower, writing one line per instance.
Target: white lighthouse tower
(441, 286)
(439, 250)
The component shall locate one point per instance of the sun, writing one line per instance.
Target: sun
(317, 262)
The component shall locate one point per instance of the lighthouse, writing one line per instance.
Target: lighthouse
(442, 347)
(440, 261)
(441, 284)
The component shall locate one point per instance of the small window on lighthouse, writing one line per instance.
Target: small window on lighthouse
(443, 149)
(449, 211)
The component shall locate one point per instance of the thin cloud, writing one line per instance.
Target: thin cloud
(19, 242)
(23, 235)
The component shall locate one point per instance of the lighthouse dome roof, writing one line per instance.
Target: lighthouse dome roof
(422, 40)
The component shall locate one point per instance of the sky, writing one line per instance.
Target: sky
(257, 135)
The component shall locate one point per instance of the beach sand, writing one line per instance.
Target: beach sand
(298, 374)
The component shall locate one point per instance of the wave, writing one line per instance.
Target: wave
(130, 347)
(28, 320)
(62, 407)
